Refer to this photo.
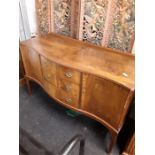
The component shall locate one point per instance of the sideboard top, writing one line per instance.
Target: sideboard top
(103, 62)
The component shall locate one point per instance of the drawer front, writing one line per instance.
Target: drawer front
(69, 88)
(68, 74)
(67, 98)
(49, 70)
(68, 92)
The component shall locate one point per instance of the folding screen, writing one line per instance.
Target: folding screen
(42, 9)
(123, 26)
(92, 20)
(108, 23)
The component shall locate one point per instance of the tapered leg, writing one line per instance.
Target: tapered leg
(29, 86)
(113, 140)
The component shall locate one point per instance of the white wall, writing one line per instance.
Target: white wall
(31, 12)
(27, 19)
(24, 29)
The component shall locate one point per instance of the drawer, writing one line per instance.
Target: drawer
(69, 87)
(68, 74)
(49, 70)
(67, 98)
(68, 92)
(51, 89)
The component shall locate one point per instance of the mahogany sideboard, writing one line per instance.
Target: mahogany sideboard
(95, 81)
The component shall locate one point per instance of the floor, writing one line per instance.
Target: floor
(48, 123)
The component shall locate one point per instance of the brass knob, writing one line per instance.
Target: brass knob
(68, 74)
(68, 87)
(48, 75)
(69, 100)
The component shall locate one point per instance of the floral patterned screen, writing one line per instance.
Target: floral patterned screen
(54, 15)
(109, 23)
(123, 26)
(94, 20)
(42, 16)
(62, 16)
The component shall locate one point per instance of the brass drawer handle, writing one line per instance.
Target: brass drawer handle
(69, 100)
(47, 77)
(68, 74)
(68, 87)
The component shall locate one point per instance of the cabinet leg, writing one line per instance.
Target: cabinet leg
(29, 87)
(113, 140)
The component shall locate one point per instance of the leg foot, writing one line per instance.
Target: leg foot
(29, 87)
(113, 140)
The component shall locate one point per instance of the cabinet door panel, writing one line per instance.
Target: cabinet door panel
(31, 62)
(50, 88)
(48, 70)
(34, 61)
(103, 98)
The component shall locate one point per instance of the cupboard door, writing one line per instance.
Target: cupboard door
(50, 88)
(48, 70)
(35, 68)
(104, 99)
(31, 62)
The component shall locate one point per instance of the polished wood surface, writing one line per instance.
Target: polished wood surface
(68, 88)
(49, 71)
(105, 99)
(95, 81)
(68, 74)
(31, 62)
(68, 85)
(104, 62)
(50, 88)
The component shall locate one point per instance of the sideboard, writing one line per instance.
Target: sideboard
(92, 80)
